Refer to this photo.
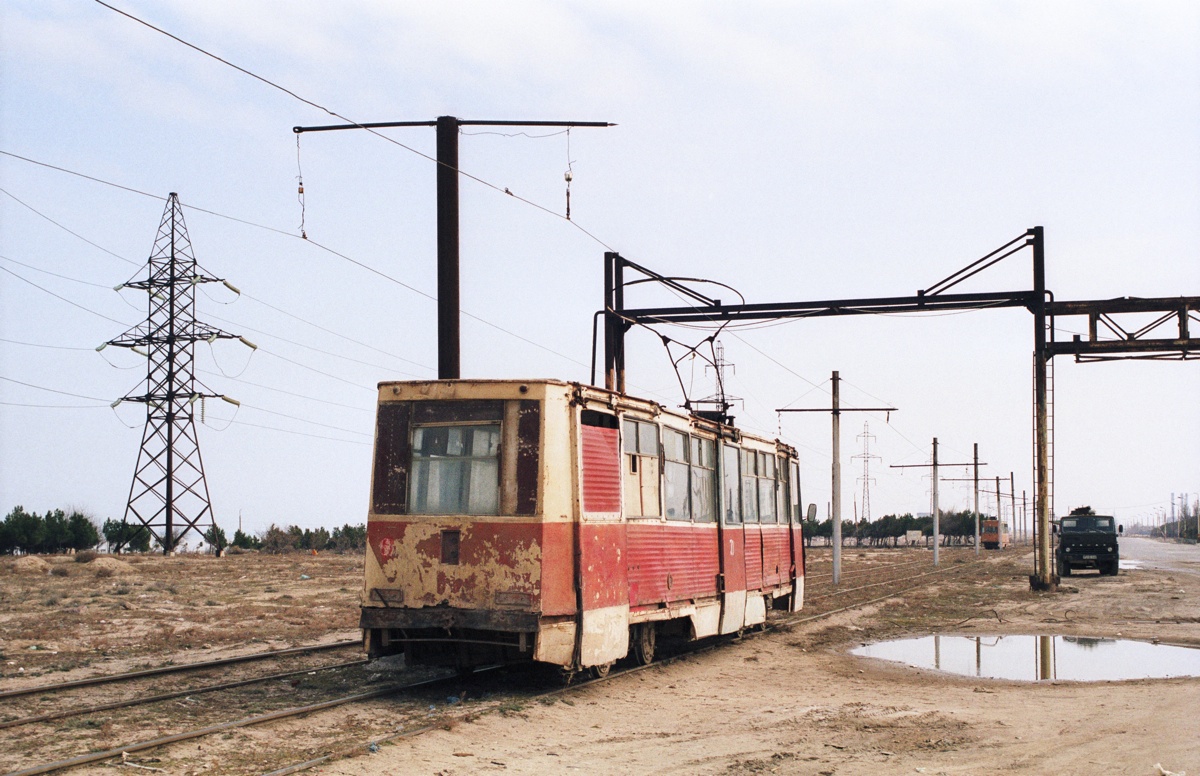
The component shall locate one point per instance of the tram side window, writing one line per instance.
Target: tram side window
(749, 486)
(704, 480)
(781, 490)
(675, 475)
(640, 443)
(730, 483)
(766, 488)
(456, 470)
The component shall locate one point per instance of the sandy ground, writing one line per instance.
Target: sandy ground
(786, 701)
(797, 702)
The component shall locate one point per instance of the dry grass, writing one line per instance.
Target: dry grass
(150, 608)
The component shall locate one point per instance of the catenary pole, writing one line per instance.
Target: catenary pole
(837, 481)
(836, 473)
(935, 465)
(449, 364)
(976, 478)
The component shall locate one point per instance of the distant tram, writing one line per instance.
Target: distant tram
(516, 521)
(994, 534)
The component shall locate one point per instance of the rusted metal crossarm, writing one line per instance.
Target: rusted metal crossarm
(1188, 348)
(1125, 304)
(461, 122)
(816, 309)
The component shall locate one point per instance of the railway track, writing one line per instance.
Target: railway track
(173, 669)
(409, 699)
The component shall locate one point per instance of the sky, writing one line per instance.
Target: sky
(795, 152)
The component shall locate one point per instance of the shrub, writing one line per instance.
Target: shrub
(87, 556)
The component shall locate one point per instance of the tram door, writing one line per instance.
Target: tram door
(602, 588)
(752, 516)
(733, 545)
(797, 544)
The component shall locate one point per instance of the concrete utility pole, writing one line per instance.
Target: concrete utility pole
(999, 506)
(836, 525)
(836, 517)
(1024, 519)
(976, 478)
(1012, 500)
(935, 465)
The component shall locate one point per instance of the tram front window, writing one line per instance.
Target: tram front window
(456, 470)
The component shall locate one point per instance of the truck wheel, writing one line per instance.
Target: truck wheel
(1064, 568)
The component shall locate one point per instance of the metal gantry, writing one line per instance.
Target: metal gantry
(169, 494)
(1136, 343)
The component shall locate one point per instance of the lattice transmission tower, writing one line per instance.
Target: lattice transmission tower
(169, 494)
(866, 436)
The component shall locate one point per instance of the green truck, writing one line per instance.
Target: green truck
(1087, 541)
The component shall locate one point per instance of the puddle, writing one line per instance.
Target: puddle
(1039, 658)
(1129, 565)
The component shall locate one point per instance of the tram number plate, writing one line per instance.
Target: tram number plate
(1089, 557)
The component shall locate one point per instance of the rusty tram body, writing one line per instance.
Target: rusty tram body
(994, 535)
(516, 521)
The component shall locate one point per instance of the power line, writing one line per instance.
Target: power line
(336, 334)
(61, 298)
(65, 229)
(305, 420)
(55, 274)
(289, 393)
(269, 353)
(312, 242)
(53, 390)
(318, 371)
(497, 188)
(55, 406)
(39, 345)
(297, 433)
(309, 347)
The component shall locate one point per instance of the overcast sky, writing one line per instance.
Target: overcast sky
(793, 151)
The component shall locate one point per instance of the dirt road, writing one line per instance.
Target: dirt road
(796, 702)
(787, 701)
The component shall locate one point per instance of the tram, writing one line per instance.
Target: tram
(555, 522)
(994, 534)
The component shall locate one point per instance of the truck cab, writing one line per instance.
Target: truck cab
(1087, 542)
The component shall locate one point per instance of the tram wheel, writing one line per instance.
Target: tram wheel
(600, 671)
(645, 638)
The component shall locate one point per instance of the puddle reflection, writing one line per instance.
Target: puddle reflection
(1040, 658)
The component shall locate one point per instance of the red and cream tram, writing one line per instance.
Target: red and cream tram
(560, 523)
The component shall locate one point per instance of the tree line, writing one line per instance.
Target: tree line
(348, 538)
(55, 531)
(953, 527)
(59, 531)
